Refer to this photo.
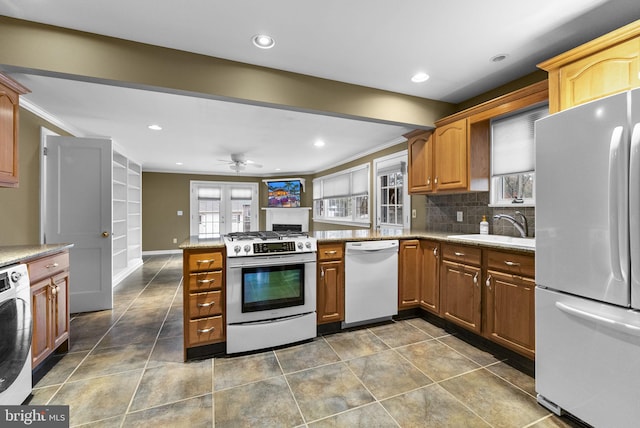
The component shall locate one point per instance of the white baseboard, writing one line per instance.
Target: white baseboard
(160, 252)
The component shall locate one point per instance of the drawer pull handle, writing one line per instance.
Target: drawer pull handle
(206, 330)
(206, 305)
(488, 281)
(510, 263)
(435, 252)
(459, 254)
(475, 279)
(206, 281)
(332, 252)
(428, 181)
(54, 265)
(206, 261)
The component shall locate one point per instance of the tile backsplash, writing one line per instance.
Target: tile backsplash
(442, 212)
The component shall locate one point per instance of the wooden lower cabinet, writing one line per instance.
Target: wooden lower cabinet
(461, 295)
(510, 301)
(204, 302)
(330, 283)
(409, 274)
(49, 278)
(430, 283)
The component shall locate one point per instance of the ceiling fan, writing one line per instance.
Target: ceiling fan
(239, 163)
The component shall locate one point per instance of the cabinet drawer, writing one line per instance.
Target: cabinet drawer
(48, 266)
(330, 251)
(205, 281)
(515, 264)
(205, 330)
(205, 261)
(205, 304)
(462, 254)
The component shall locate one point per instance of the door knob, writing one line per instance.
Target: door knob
(105, 234)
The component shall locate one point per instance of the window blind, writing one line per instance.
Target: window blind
(209, 192)
(512, 141)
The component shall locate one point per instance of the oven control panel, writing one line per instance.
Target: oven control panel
(274, 247)
(243, 249)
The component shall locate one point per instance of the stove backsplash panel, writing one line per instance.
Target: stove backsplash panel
(442, 211)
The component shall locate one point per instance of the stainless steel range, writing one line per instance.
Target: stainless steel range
(271, 289)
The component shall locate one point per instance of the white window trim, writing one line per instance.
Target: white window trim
(383, 162)
(226, 187)
(318, 182)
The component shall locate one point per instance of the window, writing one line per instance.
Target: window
(218, 208)
(342, 197)
(513, 157)
(392, 200)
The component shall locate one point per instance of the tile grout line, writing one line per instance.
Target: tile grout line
(284, 375)
(155, 342)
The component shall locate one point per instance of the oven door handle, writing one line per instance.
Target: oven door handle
(267, 261)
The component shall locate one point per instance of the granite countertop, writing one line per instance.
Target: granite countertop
(327, 236)
(13, 254)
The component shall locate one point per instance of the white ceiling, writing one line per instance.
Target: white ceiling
(375, 43)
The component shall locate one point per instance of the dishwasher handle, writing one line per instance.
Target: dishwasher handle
(372, 247)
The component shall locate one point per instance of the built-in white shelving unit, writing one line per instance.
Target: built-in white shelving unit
(127, 211)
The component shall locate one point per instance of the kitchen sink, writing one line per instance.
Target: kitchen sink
(507, 241)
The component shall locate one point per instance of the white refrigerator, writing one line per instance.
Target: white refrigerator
(588, 261)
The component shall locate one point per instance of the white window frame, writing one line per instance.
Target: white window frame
(225, 201)
(318, 194)
(400, 160)
(497, 180)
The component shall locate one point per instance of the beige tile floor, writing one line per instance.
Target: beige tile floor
(125, 369)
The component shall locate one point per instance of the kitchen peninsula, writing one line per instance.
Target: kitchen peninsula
(482, 287)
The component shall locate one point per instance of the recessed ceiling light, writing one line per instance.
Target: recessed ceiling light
(263, 41)
(420, 77)
(319, 143)
(499, 57)
(277, 169)
(179, 163)
(155, 127)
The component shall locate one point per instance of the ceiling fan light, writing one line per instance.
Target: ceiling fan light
(263, 41)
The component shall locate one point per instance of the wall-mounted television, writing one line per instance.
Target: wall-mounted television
(284, 194)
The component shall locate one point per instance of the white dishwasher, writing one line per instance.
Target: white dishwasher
(371, 281)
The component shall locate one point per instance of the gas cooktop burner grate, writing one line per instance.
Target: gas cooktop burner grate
(265, 235)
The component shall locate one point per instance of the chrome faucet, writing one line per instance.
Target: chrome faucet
(522, 227)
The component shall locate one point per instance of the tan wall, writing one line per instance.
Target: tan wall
(87, 56)
(20, 218)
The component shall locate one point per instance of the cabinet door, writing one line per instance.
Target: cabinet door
(60, 309)
(430, 284)
(605, 73)
(510, 311)
(8, 137)
(421, 163)
(451, 156)
(460, 285)
(330, 291)
(41, 344)
(409, 274)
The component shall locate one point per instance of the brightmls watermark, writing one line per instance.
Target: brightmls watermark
(34, 416)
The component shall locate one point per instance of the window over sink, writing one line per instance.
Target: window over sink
(513, 157)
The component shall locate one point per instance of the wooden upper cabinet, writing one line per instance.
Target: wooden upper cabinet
(601, 67)
(10, 92)
(452, 156)
(421, 162)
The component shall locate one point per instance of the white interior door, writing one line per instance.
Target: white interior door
(78, 211)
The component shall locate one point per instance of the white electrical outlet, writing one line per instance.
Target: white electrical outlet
(175, 240)
(179, 212)
(459, 216)
(414, 214)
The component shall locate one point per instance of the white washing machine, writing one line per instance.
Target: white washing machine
(15, 335)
